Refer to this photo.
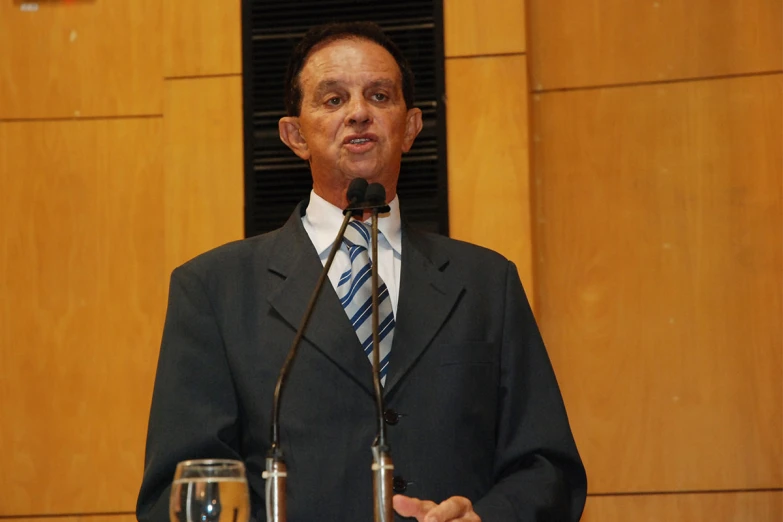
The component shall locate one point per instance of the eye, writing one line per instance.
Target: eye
(334, 101)
(379, 96)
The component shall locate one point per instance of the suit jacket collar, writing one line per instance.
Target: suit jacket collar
(295, 260)
(427, 296)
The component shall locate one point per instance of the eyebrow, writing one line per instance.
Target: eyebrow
(385, 83)
(324, 86)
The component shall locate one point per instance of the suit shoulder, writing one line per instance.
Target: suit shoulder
(230, 255)
(462, 250)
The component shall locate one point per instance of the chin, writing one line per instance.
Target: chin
(370, 174)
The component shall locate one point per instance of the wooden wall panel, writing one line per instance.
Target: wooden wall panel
(80, 59)
(202, 38)
(764, 506)
(78, 518)
(489, 192)
(83, 291)
(204, 166)
(660, 279)
(601, 42)
(479, 27)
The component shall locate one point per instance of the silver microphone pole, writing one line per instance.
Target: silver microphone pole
(382, 465)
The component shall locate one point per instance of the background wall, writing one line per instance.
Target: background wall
(657, 131)
(636, 148)
(120, 158)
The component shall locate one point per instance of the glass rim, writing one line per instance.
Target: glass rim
(228, 463)
(209, 468)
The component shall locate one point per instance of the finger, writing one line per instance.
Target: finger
(412, 507)
(472, 516)
(450, 509)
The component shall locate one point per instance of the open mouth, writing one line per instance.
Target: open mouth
(359, 140)
(360, 143)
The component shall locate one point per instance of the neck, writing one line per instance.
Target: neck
(337, 197)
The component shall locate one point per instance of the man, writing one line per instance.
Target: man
(477, 427)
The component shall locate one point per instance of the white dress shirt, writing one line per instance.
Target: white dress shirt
(322, 221)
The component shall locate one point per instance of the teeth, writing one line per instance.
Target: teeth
(359, 140)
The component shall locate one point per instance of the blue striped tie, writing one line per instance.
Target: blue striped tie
(355, 292)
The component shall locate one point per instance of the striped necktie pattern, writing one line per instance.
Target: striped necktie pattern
(355, 292)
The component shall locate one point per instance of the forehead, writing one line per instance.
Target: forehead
(349, 61)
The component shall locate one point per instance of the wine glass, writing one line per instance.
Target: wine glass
(213, 490)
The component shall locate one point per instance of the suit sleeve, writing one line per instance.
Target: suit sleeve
(194, 406)
(539, 476)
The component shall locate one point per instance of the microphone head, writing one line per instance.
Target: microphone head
(376, 194)
(356, 190)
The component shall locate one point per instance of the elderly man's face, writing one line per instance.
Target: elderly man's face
(353, 122)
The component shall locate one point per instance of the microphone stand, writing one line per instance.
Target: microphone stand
(382, 465)
(276, 471)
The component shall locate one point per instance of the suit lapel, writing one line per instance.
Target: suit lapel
(295, 260)
(427, 297)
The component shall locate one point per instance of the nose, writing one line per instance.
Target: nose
(358, 112)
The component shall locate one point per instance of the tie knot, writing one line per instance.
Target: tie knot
(357, 234)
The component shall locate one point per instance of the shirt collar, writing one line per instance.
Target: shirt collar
(325, 220)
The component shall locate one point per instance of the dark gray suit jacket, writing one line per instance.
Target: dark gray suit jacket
(480, 411)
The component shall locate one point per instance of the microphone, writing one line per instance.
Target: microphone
(276, 471)
(382, 465)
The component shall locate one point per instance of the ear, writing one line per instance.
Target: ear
(290, 135)
(413, 126)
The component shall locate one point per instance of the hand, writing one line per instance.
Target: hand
(454, 509)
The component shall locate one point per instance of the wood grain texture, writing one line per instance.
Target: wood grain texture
(604, 42)
(487, 119)
(479, 27)
(202, 38)
(83, 291)
(204, 166)
(659, 212)
(80, 59)
(712, 507)
(76, 518)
